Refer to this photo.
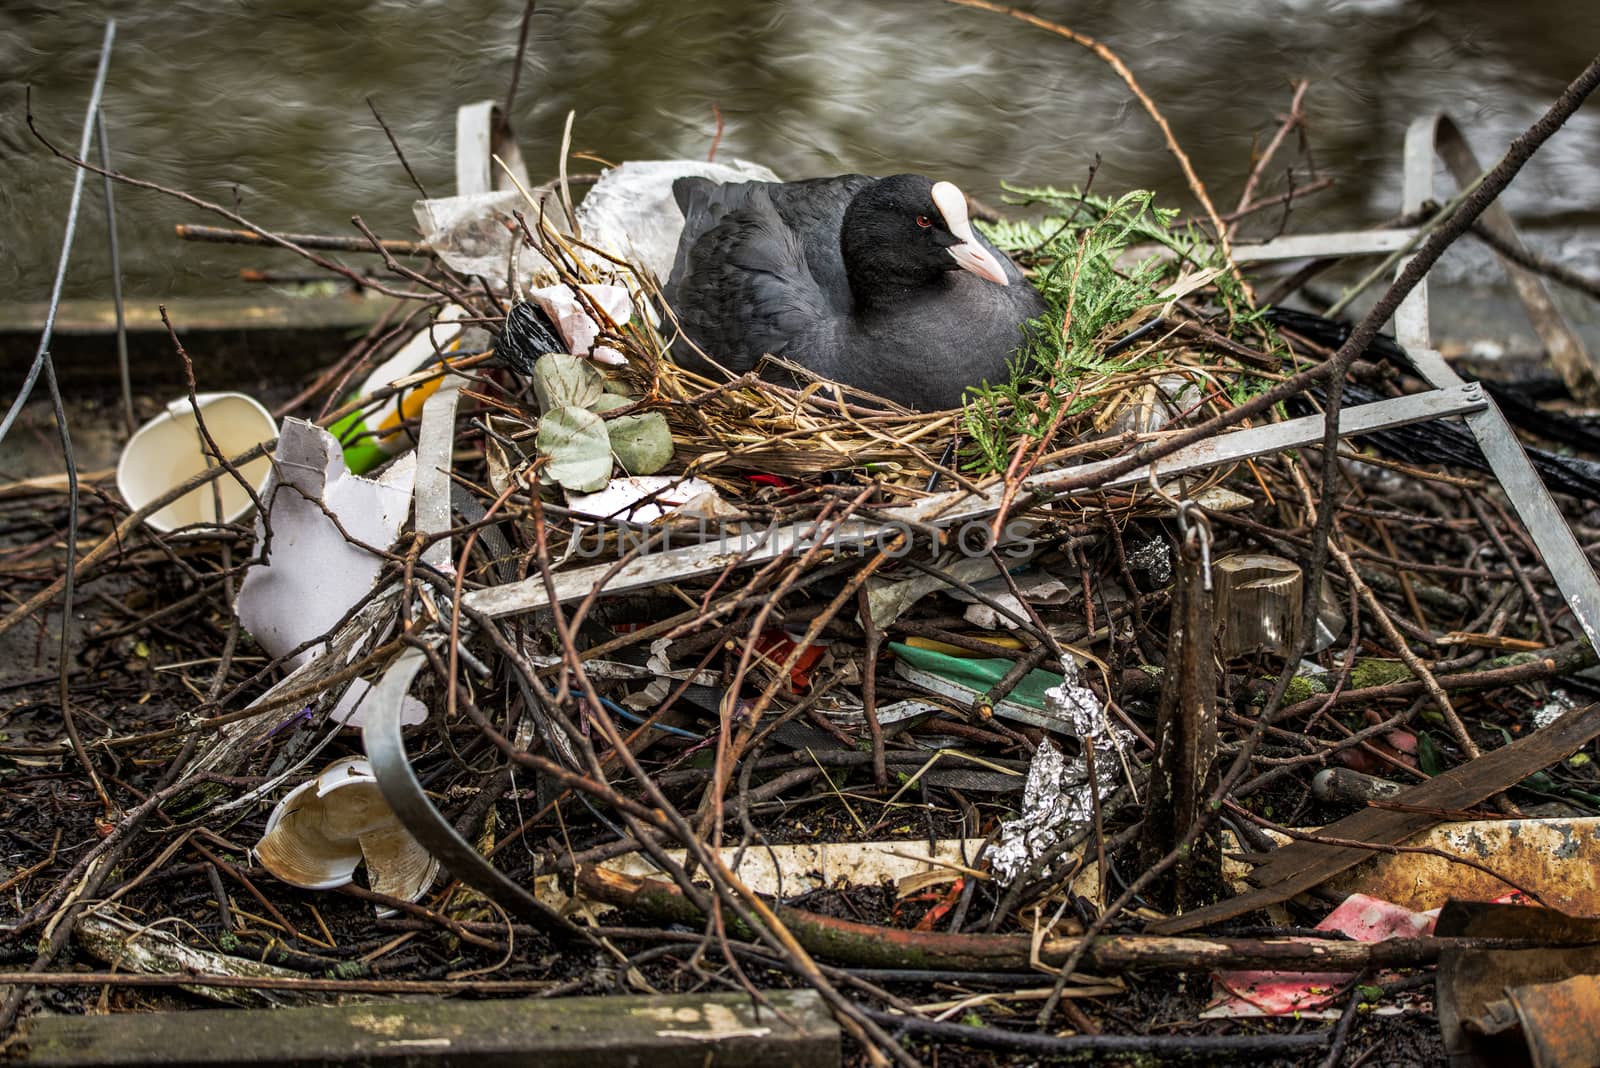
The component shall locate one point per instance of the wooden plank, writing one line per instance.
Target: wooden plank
(671, 1031)
(234, 341)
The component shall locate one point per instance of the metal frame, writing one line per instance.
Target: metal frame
(959, 506)
(1437, 135)
(1428, 138)
(482, 133)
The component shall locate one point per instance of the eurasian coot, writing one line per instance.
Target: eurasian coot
(881, 283)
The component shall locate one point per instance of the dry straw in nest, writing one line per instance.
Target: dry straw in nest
(1131, 346)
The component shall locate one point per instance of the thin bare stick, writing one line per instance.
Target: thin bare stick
(232, 216)
(373, 107)
(1290, 121)
(716, 138)
(1196, 186)
(522, 52)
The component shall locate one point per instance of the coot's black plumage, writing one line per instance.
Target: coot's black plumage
(880, 283)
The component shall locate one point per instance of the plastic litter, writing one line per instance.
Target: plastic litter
(313, 575)
(327, 826)
(169, 450)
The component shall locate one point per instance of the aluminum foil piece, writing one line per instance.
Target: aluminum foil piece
(1059, 796)
(1048, 810)
(1155, 557)
(1560, 704)
(1076, 705)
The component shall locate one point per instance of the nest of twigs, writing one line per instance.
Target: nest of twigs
(1144, 338)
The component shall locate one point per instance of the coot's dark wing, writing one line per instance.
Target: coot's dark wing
(760, 269)
(742, 286)
(704, 204)
(814, 209)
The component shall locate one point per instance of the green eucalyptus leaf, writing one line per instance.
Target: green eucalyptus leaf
(643, 443)
(608, 402)
(578, 446)
(561, 381)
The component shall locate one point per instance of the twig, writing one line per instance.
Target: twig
(1196, 186)
(716, 138)
(373, 107)
(1290, 121)
(112, 544)
(309, 984)
(1492, 184)
(43, 356)
(333, 243)
(232, 216)
(516, 65)
(103, 144)
(1527, 260)
(869, 685)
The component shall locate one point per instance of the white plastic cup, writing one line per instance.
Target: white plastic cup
(169, 450)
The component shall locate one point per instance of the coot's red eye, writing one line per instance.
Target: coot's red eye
(924, 222)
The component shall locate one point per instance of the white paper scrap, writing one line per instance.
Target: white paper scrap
(640, 498)
(578, 328)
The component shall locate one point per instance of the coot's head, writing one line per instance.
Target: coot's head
(907, 231)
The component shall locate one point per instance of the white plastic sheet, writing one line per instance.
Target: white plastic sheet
(313, 575)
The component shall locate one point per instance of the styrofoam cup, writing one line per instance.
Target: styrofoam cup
(169, 450)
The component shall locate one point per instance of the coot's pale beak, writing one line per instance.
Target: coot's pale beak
(980, 261)
(971, 255)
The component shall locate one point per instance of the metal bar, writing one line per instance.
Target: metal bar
(1318, 246)
(1573, 574)
(1213, 452)
(1569, 567)
(1411, 325)
(959, 506)
(386, 750)
(435, 440)
(483, 132)
(1572, 359)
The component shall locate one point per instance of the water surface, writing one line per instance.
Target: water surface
(265, 105)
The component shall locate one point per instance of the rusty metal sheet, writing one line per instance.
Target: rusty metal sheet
(1470, 982)
(1559, 859)
(1560, 1021)
(1481, 993)
(1300, 865)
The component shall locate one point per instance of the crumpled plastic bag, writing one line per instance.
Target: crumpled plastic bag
(476, 233)
(631, 213)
